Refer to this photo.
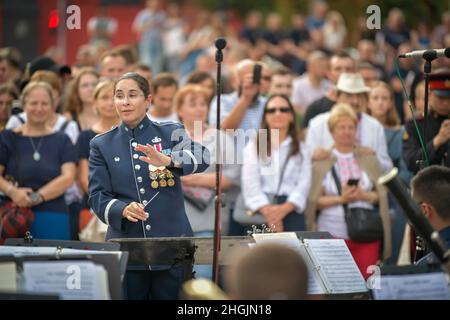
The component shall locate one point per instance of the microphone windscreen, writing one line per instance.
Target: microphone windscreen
(220, 43)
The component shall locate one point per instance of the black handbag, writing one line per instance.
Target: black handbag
(363, 225)
(199, 197)
(245, 216)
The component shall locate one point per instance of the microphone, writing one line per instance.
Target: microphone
(430, 54)
(220, 43)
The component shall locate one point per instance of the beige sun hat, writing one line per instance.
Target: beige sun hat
(352, 83)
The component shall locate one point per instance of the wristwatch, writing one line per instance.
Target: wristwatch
(173, 163)
(36, 198)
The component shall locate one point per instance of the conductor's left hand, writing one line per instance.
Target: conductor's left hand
(152, 156)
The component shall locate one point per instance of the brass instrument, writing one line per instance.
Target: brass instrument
(414, 214)
(202, 289)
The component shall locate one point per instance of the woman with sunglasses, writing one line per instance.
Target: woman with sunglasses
(276, 174)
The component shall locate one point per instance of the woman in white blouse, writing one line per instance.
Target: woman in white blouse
(279, 196)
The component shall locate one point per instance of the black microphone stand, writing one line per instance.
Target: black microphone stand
(220, 44)
(428, 56)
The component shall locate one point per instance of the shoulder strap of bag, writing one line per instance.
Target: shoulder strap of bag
(64, 126)
(283, 169)
(338, 184)
(22, 121)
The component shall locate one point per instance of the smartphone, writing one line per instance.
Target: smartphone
(257, 73)
(16, 107)
(352, 182)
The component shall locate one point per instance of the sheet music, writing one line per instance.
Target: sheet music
(337, 265)
(63, 277)
(427, 286)
(262, 237)
(290, 239)
(8, 276)
(52, 251)
(28, 251)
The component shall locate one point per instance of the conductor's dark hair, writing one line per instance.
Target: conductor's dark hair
(432, 185)
(141, 82)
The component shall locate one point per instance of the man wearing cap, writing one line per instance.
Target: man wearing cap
(370, 133)
(437, 135)
(46, 63)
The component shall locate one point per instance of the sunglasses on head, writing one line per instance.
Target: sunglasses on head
(281, 109)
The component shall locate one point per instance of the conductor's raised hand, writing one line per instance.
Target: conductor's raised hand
(152, 156)
(134, 212)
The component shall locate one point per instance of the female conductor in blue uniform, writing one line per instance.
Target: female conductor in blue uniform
(134, 183)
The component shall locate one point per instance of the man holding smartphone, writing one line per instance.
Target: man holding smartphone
(243, 108)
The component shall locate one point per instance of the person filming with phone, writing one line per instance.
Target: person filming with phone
(243, 108)
(345, 199)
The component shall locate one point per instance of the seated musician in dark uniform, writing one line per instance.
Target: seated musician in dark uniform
(134, 183)
(437, 139)
(431, 189)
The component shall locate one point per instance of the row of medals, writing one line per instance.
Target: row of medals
(161, 177)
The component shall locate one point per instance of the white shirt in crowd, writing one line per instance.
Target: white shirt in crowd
(370, 134)
(71, 129)
(171, 118)
(260, 179)
(332, 219)
(303, 93)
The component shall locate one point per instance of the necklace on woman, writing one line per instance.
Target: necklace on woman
(36, 154)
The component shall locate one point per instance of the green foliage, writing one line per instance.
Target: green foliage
(414, 10)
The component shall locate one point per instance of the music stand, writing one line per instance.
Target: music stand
(68, 244)
(159, 251)
(28, 241)
(188, 250)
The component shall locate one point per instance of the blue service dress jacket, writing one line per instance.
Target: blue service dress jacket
(117, 177)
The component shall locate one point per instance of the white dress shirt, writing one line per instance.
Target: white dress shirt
(260, 179)
(370, 133)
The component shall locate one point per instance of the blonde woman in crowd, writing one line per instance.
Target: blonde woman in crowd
(325, 211)
(382, 107)
(40, 163)
(107, 118)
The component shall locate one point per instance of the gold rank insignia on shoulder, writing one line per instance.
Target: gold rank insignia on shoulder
(405, 135)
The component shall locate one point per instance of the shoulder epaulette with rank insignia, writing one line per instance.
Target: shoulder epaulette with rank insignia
(102, 134)
(167, 123)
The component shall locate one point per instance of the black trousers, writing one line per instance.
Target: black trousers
(155, 284)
